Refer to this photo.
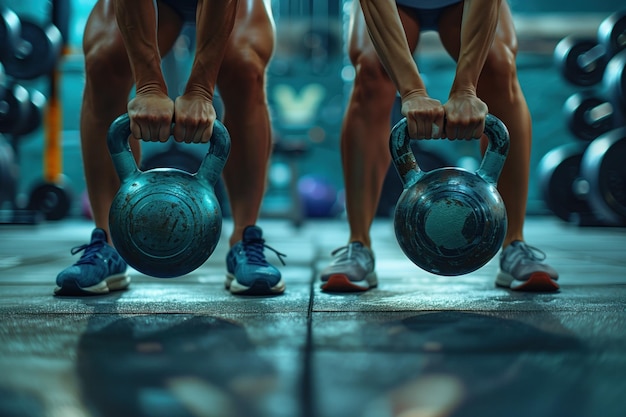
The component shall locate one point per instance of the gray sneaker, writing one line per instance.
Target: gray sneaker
(522, 269)
(352, 269)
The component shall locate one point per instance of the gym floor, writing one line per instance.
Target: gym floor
(418, 345)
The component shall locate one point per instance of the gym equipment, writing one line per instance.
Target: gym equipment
(612, 33)
(450, 221)
(562, 187)
(587, 115)
(8, 174)
(582, 61)
(165, 222)
(3, 80)
(392, 186)
(32, 120)
(35, 53)
(14, 108)
(175, 157)
(54, 195)
(614, 85)
(318, 196)
(10, 29)
(604, 168)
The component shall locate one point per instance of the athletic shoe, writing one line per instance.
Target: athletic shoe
(351, 270)
(248, 273)
(99, 270)
(522, 269)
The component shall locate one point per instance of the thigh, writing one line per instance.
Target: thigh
(359, 41)
(450, 30)
(102, 33)
(254, 31)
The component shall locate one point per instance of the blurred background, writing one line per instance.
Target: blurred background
(309, 81)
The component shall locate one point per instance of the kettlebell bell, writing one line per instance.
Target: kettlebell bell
(450, 221)
(165, 222)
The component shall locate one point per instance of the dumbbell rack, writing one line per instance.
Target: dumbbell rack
(31, 51)
(584, 182)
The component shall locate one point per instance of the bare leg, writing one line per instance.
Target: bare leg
(365, 131)
(108, 80)
(499, 88)
(241, 84)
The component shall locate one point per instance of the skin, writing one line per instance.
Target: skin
(479, 35)
(235, 42)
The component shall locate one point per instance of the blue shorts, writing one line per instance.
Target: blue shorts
(185, 8)
(428, 11)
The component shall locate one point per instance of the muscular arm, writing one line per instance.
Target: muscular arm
(478, 28)
(214, 24)
(138, 26)
(389, 39)
(425, 115)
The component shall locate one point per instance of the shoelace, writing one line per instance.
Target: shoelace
(532, 252)
(254, 251)
(347, 252)
(91, 252)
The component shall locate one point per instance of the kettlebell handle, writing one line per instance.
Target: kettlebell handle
(210, 169)
(490, 167)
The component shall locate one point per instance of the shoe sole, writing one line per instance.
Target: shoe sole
(112, 283)
(258, 287)
(341, 283)
(537, 282)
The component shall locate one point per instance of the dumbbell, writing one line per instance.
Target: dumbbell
(21, 110)
(582, 61)
(34, 52)
(8, 173)
(603, 168)
(10, 29)
(614, 86)
(588, 115)
(562, 187)
(3, 81)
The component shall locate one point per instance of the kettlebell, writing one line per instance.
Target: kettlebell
(165, 222)
(450, 221)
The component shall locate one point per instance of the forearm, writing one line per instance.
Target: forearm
(387, 34)
(214, 24)
(138, 26)
(478, 28)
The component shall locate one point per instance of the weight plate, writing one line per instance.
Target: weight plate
(614, 84)
(36, 54)
(603, 166)
(9, 31)
(14, 108)
(566, 58)
(588, 116)
(53, 200)
(612, 32)
(560, 182)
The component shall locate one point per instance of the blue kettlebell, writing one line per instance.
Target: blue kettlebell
(450, 221)
(165, 222)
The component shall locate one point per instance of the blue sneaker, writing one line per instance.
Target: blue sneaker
(248, 273)
(99, 270)
(522, 269)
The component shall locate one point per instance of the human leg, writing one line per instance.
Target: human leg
(500, 89)
(241, 84)
(364, 154)
(108, 80)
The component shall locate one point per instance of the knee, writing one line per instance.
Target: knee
(500, 70)
(106, 62)
(371, 80)
(244, 70)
